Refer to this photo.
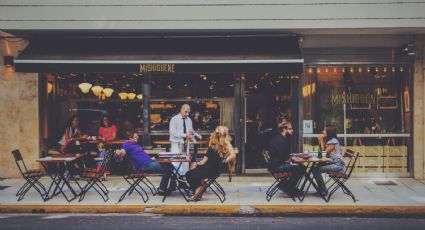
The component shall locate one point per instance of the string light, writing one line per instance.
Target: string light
(326, 70)
(368, 69)
(351, 69)
(318, 70)
(334, 70)
(310, 70)
(385, 69)
(360, 69)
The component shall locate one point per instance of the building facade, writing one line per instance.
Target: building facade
(357, 65)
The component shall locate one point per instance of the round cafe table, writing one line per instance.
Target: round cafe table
(167, 144)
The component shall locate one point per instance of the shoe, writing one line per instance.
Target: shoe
(320, 194)
(162, 192)
(182, 184)
(197, 195)
(296, 192)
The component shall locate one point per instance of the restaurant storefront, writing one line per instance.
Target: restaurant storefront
(243, 82)
(141, 83)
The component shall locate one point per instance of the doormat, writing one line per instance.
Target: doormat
(3, 187)
(385, 182)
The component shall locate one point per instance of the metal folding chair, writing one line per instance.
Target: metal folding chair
(338, 179)
(134, 179)
(280, 179)
(94, 179)
(212, 184)
(31, 177)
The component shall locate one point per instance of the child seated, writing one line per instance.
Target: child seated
(101, 147)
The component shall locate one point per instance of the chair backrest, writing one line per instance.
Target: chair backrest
(266, 156)
(353, 157)
(19, 162)
(105, 162)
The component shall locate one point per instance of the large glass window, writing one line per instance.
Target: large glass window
(369, 105)
(120, 95)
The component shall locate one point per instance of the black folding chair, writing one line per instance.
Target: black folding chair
(94, 176)
(31, 177)
(212, 184)
(134, 179)
(339, 178)
(280, 179)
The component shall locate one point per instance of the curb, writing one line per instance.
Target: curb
(224, 210)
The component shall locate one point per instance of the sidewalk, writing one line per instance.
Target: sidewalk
(245, 196)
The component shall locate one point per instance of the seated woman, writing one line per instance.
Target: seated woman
(107, 131)
(70, 141)
(329, 143)
(220, 150)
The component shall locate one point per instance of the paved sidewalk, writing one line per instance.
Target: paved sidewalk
(245, 196)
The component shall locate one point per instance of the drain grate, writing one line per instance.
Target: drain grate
(3, 187)
(385, 182)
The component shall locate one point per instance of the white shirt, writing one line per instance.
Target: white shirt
(176, 128)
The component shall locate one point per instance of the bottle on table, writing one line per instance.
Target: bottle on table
(319, 153)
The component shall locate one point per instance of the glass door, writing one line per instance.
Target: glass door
(268, 100)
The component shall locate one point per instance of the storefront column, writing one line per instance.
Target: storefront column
(239, 114)
(146, 109)
(419, 104)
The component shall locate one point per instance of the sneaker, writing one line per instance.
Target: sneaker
(182, 184)
(162, 192)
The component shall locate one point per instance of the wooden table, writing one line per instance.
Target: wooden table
(308, 178)
(114, 142)
(167, 144)
(63, 174)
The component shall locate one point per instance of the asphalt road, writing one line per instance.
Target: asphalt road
(152, 222)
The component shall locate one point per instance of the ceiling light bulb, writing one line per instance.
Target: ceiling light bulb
(85, 87)
(97, 90)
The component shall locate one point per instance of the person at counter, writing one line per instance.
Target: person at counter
(329, 143)
(142, 162)
(181, 128)
(279, 149)
(107, 131)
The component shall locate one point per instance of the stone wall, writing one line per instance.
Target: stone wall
(19, 116)
(419, 104)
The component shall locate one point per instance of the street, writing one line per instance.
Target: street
(152, 221)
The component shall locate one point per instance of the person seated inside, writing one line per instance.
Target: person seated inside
(73, 141)
(107, 130)
(101, 147)
(142, 162)
(280, 161)
(220, 151)
(329, 143)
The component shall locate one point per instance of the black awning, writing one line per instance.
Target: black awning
(185, 54)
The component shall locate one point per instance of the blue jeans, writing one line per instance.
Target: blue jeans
(319, 169)
(155, 167)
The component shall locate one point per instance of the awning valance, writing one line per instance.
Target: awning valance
(157, 54)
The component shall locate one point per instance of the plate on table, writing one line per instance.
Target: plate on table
(305, 156)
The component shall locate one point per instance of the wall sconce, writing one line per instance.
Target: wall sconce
(8, 61)
(49, 87)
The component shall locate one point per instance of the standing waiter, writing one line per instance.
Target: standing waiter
(181, 128)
